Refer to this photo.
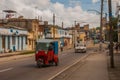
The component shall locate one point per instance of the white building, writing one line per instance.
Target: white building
(12, 39)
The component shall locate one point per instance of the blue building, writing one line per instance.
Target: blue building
(12, 39)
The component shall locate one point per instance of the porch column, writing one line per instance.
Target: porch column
(24, 43)
(6, 42)
(16, 43)
(20, 43)
(11, 47)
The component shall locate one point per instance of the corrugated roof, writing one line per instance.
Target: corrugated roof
(9, 11)
(14, 27)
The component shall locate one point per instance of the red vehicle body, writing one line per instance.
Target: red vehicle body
(45, 56)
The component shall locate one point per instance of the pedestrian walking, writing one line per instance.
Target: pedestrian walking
(61, 47)
(108, 46)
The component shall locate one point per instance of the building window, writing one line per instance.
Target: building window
(22, 42)
(8, 42)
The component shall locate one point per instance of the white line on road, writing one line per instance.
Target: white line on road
(69, 66)
(6, 70)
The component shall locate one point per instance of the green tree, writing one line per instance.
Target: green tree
(97, 28)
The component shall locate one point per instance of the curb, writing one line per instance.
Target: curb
(9, 55)
(3, 55)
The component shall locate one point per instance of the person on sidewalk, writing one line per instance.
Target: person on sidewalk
(61, 47)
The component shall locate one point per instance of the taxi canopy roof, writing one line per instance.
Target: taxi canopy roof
(45, 40)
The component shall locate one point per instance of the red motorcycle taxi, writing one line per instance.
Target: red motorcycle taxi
(46, 52)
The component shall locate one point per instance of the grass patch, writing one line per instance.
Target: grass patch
(27, 52)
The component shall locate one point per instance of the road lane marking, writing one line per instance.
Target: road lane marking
(85, 56)
(5, 70)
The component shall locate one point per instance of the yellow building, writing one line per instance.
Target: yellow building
(86, 27)
(82, 36)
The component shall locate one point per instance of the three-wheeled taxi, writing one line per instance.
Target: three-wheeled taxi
(46, 52)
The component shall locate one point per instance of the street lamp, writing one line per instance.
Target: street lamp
(101, 15)
(111, 34)
(100, 46)
(54, 26)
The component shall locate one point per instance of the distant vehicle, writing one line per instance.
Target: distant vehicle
(96, 41)
(80, 47)
(46, 52)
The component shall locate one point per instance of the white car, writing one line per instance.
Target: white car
(80, 48)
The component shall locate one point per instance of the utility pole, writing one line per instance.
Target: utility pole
(75, 23)
(75, 34)
(62, 25)
(72, 34)
(101, 26)
(111, 35)
(54, 26)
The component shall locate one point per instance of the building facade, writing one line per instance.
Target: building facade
(81, 33)
(60, 34)
(32, 25)
(12, 39)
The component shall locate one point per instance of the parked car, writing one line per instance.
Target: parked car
(80, 48)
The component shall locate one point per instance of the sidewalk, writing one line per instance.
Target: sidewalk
(94, 67)
(114, 73)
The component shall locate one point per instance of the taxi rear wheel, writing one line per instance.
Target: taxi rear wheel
(40, 63)
(56, 63)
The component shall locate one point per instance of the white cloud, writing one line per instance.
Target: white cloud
(46, 9)
(94, 1)
(114, 4)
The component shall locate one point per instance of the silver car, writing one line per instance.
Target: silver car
(80, 48)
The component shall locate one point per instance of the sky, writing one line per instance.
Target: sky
(67, 11)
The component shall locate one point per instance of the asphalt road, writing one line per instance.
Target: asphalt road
(26, 69)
